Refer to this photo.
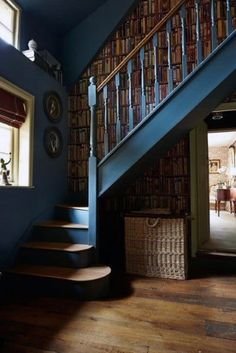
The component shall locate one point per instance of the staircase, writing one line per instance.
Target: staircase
(62, 250)
(182, 110)
(59, 259)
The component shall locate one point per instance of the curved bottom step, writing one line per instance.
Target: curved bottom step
(85, 284)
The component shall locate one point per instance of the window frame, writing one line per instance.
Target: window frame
(16, 21)
(14, 138)
(22, 157)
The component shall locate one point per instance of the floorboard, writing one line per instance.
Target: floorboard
(148, 316)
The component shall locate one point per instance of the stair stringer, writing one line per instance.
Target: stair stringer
(212, 81)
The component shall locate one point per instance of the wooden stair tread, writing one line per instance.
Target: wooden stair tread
(61, 224)
(64, 273)
(67, 247)
(83, 208)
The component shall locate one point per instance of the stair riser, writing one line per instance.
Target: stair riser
(56, 258)
(72, 215)
(63, 235)
(13, 284)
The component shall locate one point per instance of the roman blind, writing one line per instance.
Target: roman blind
(13, 109)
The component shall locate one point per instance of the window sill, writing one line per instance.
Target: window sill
(15, 187)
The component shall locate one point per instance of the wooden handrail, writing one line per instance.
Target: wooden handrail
(155, 29)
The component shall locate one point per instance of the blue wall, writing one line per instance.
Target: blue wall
(32, 28)
(81, 44)
(20, 207)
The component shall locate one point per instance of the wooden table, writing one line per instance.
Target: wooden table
(226, 195)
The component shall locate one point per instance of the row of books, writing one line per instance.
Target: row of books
(78, 169)
(181, 149)
(147, 7)
(78, 184)
(79, 136)
(80, 118)
(78, 152)
(176, 205)
(159, 185)
(173, 167)
(78, 103)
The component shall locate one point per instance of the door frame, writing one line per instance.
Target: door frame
(199, 186)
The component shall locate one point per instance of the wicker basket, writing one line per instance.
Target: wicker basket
(156, 246)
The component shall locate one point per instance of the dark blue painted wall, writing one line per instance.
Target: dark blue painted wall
(81, 44)
(20, 207)
(33, 28)
(77, 48)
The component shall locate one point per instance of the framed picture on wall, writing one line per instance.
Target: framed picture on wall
(52, 106)
(214, 166)
(53, 142)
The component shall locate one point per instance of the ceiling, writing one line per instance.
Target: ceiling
(221, 138)
(60, 16)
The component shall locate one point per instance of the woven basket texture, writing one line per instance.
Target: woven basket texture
(156, 247)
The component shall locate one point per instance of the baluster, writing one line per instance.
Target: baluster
(229, 25)
(183, 44)
(143, 91)
(92, 101)
(92, 180)
(131, 110)
(156, 81)
(106, 137)
(198, 32)
(118, 123)
(170, 70)
(213, 25)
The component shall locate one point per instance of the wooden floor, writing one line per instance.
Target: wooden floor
(154, 316)
(222, 232)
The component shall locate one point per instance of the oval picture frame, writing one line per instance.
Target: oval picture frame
(52, 106)
(53, 141)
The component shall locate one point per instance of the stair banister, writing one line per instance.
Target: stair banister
(144, 41)
(124, 71)
(127, 65)
(92, 180)
(140, 82)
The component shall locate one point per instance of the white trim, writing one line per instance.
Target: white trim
(16, 22)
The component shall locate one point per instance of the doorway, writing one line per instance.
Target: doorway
(222, 182)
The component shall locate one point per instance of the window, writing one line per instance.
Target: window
(7, 146)
(9, 21)
(16, 123)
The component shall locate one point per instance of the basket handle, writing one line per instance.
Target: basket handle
(154, 224)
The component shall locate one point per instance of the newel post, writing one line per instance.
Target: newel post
(92, 177)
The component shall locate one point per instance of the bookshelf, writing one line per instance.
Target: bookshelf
(172, 183)
(165, 185)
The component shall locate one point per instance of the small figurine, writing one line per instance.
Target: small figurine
(5, 173)
(32, 45)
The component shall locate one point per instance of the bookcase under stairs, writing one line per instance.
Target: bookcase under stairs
(163, 186)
